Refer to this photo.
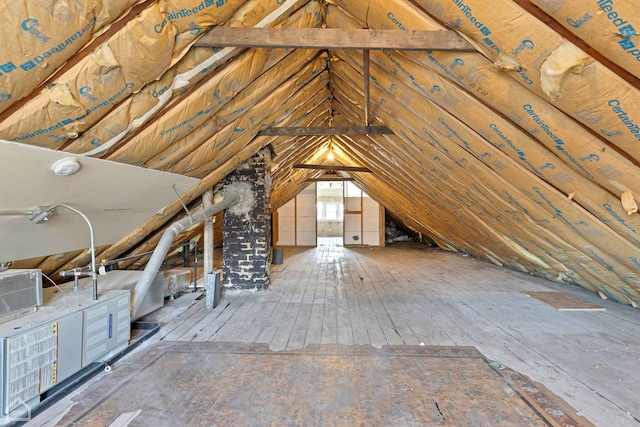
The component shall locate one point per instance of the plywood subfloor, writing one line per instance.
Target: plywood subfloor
(409, 294)
(564, 302)
(205, 383)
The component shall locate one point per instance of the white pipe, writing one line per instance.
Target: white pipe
(153, 266)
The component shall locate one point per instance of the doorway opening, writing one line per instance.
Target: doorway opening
(330, 213)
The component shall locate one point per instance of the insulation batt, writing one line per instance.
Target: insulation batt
(50, 33)
(609, 26)
(402, 71)
(597, 97)
(565, 58)
(141, 51)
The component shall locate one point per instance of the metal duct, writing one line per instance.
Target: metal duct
(231, 198)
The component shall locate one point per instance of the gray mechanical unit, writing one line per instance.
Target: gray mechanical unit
(127, 279)
(67, 333)
(176, 281)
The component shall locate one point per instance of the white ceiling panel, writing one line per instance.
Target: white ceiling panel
(115, 197)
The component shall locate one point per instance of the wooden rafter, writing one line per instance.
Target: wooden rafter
(334, 38)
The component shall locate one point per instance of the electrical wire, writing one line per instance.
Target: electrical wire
(64, 299)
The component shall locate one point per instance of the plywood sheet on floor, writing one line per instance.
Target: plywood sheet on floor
(218, 383)
(563, 301)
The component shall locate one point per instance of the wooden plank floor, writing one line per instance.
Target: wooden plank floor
(409, 294)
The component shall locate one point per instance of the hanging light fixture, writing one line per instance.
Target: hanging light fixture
(330, 153)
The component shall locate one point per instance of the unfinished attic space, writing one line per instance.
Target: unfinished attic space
(336, 212)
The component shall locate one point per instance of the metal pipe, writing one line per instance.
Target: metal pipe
(207, 256)
(77, 273)
(185, 254)
(153, 266)
(16, 213)
(41, 215)
(195, 268)
(94, 274)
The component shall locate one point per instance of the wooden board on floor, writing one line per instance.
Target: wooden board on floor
(563, 302)
(247, 384)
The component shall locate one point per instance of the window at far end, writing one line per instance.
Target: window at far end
(330, 211)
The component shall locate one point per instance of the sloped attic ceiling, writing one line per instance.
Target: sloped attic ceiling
(524, 152)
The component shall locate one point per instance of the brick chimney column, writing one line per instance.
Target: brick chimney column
(246, 249)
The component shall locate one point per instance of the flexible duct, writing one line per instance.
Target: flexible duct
(153, 266)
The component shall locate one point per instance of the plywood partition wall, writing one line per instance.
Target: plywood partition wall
(298, 222)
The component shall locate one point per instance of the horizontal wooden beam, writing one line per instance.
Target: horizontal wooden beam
(334, 38)
(326, 131)
(332, 167)
(329, 179)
